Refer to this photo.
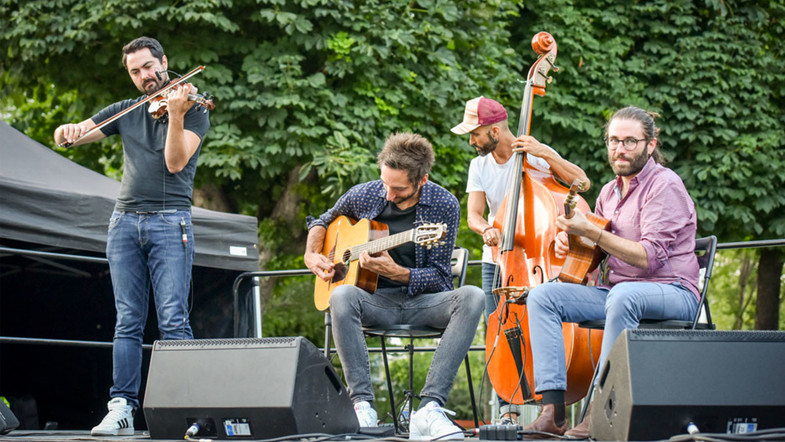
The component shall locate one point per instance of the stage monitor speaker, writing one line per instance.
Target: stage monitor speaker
(8, 421)
(656, 382)
(244, 389)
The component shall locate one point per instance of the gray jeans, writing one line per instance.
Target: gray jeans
(457, 311)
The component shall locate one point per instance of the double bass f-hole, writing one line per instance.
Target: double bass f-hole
(538, 270)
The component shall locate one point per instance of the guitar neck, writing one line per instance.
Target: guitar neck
(382, 244)
(569, 201)
(569, 206)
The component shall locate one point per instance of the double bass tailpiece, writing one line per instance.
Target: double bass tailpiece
(512, 293)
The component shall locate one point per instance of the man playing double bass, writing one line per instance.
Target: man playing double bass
(652, 270)
(485, 121)
(415, 283)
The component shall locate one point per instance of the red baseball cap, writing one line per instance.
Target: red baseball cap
(479, 112)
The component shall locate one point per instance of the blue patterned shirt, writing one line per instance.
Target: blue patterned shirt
(432, 273)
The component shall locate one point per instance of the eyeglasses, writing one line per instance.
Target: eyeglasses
(629, 143)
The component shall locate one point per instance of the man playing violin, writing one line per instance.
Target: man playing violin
(150, 238)
(485, 121)
(652, 270)
(415, 283)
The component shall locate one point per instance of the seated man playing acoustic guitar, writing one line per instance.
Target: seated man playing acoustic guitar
(652, 271)
(415, 283)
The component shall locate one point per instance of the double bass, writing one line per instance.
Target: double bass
(526, 258)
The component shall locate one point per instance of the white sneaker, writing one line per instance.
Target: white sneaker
(431, 423)
(366, 415)
(118, 422)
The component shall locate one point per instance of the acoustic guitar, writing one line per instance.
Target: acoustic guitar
(584, 254)
(345, 241)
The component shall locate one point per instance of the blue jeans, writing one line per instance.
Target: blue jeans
(491, 299)
(144, 248)
(622, 307)
(457, 311)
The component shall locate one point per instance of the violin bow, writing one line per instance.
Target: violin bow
(114, 117)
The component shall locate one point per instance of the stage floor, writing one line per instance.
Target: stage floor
(63, 435)
(51, 436)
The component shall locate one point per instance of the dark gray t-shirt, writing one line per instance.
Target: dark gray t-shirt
(147, 184)
(398, 221)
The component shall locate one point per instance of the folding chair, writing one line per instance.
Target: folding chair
(705, 248)
(460, 259)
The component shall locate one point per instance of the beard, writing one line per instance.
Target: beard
(151, 86)
(402, 199)
(488, 147)
(635, 165)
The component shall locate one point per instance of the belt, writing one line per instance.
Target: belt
(154, 212)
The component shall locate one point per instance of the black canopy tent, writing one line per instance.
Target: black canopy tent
(55, 284)
(48, 199)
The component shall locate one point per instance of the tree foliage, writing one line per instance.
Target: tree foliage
(307, 89)
(311, 83)
(711, 69)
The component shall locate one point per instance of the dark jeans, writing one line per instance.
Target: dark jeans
(143, 249)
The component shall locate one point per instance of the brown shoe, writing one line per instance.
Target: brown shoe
(545, 424)
(581, 431)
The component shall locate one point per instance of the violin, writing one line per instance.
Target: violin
(159, 106)
(160, 109)
(526, 258)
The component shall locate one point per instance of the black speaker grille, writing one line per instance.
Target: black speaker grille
(226, 343)
(706, 335)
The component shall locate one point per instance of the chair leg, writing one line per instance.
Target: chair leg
(471, 391)
(408, 395)
(389, 386)
(328, 330)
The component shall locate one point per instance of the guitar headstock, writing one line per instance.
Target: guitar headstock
(429, 234)
(570, 201)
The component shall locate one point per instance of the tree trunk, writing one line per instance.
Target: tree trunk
(767, 314)
(285, 212)
(213, 198)
(744, 276)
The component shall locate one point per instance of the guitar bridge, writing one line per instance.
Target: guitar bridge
(341, 270)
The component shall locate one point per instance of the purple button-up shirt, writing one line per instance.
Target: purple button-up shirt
(659, 214)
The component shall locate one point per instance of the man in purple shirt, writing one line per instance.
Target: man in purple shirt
(652, 271)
